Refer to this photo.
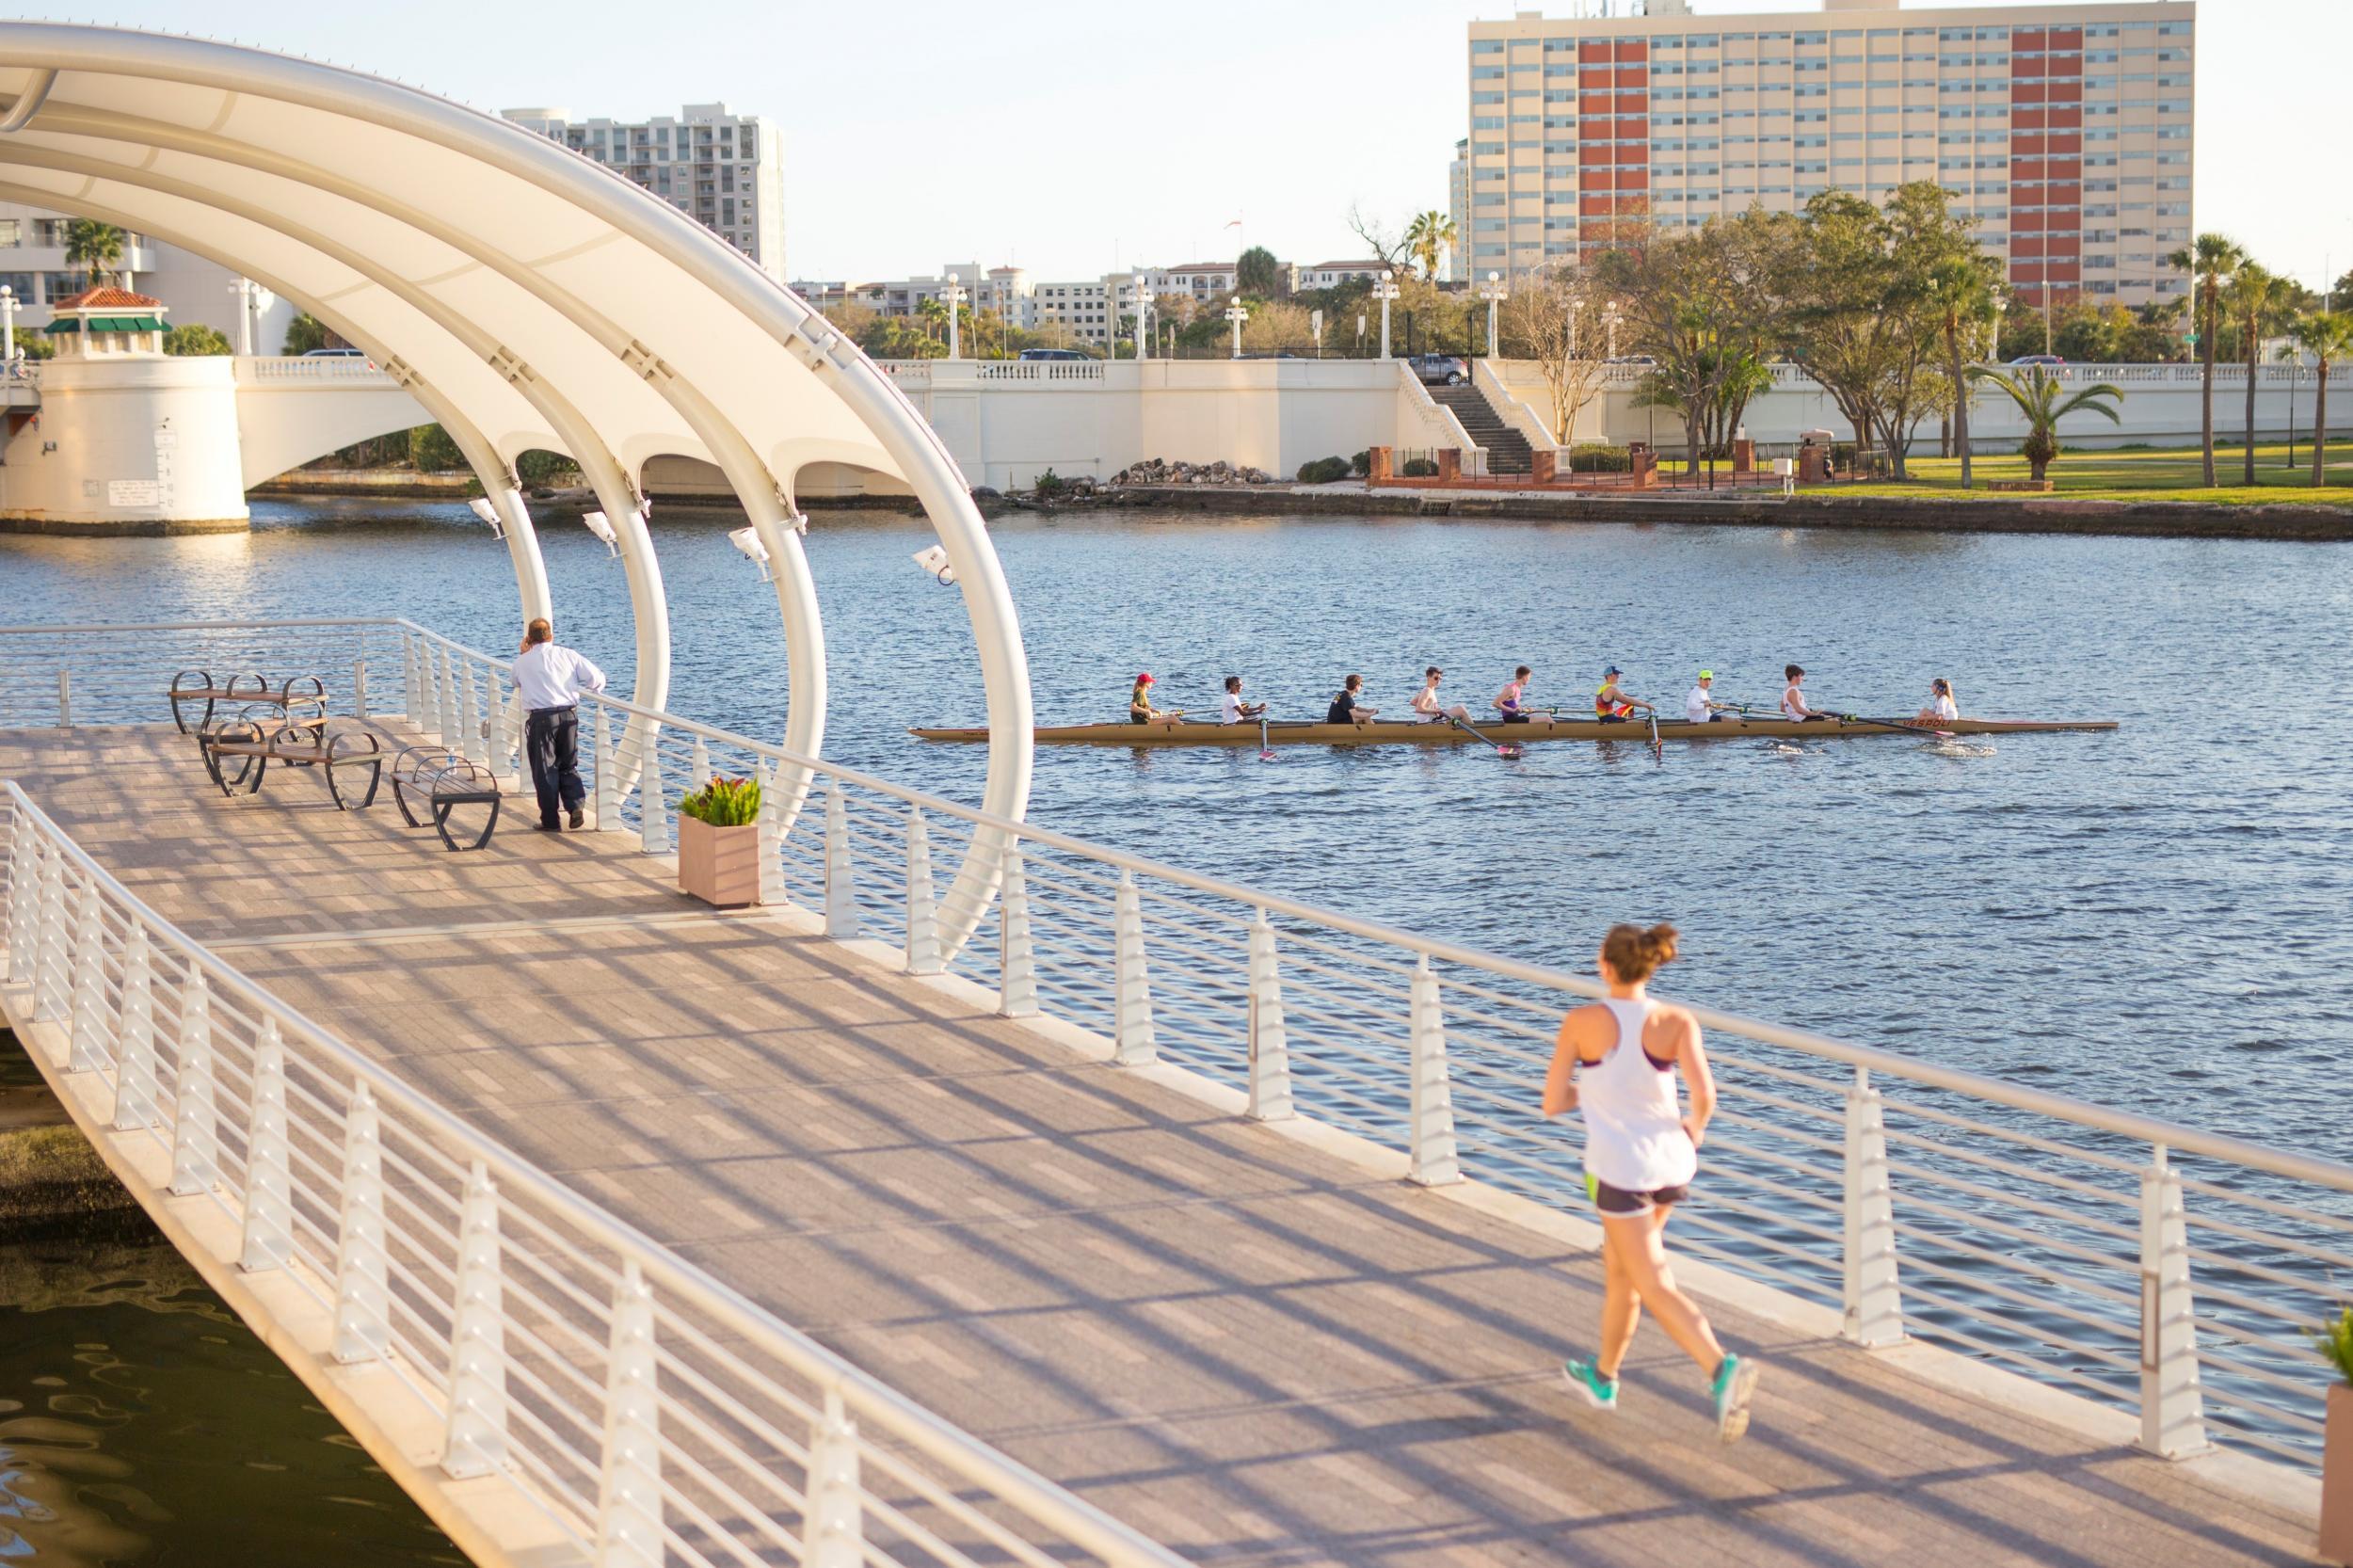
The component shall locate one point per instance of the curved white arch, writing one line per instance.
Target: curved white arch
(528, 297)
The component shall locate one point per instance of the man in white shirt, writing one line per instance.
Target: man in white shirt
(1699, 704)
(547, 682)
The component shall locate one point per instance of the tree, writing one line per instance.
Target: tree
(1386, 245)
(2208, 262)
(1258, 275)
(194, 338)
(95, 248)
(2039, 401)
(933, 313)
(2328, 337)
(1557, 323)
(1688, 308)
(306, 332)
(1961, 293)
(1277, 324)
(2254, 299)
(432, 451)
(1427, 238)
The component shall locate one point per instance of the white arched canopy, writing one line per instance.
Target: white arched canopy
(528, 296)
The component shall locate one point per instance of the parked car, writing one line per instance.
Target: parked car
(1440, 370)
(1056, 354)
(335, 353)
(2039, 360)
(1630, 359)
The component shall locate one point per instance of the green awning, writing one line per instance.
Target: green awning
(108, 324)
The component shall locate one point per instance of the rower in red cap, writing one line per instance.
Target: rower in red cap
(1140, 708)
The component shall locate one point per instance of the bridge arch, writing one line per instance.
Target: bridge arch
(525, 297)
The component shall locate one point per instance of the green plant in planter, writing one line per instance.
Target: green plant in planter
(2336, 1344)
(723, 803)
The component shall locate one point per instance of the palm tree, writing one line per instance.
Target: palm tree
(1430, 234)
(2039, 402)
(2211, 259)
(2326, 335)
(95, 248)
(2254, 299)
(932, 313)
(1962, 295)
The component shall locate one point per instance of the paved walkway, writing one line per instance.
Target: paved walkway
(1244, 1347)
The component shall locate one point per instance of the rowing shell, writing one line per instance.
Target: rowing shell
(1381, 732)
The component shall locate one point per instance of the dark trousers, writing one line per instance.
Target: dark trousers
(551, 736)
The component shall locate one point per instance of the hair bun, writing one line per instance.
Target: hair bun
(1660, 939)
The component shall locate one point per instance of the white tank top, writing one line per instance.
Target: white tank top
(1634, 1136)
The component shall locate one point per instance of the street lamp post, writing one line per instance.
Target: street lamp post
(1384, 290)
(952, 297)
(1143, 325)
(1237, 313)
(1609, 328)
(1494, 293)
(243, 289)
(8, 324)
(2000, 306)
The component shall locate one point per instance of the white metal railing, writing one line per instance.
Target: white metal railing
(2140, 1263)
(650, 1413)
(309, 371)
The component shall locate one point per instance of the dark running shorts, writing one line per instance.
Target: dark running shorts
(1617, 1200)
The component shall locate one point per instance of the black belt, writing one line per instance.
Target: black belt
(572, 709)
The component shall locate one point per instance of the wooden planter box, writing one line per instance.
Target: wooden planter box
(718, 865)
(2336, 1478)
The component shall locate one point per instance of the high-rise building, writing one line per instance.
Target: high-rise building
(2063, 131)
(724, 171)
(1457, 188)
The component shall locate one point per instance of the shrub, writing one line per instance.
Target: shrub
(723, 803)
(1419, 468)
(194, 338)
(1050, 483)
(2336, 1344)
(1323, 471)
(1361, 465)
(1600, 459)
(1842, 454)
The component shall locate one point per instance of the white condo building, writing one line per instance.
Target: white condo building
(724, 171)
(1458, 207)
(193, 290)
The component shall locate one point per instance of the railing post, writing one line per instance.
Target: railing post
(700, 767)
(1270, 1044)
(437, 674)
(772, 888)
(23, 900)
(1874, 1300)
(65, 699)
(1435, 1162)
(469, 716)
(923, 951)
(2172, 1406)
(195, 1134)
(840, 890)
(359, 688)
(412, 679)
(52, 982)
(364, 1297)
(1017, 961)
(493, 722)
(1132, 1034)
(653, 813)
(86, 1050)
(135, 1064)
(511, 720)
(475, 1443)
(629, 1500)
(268, 1194)
(833, 1528)
(608, 775)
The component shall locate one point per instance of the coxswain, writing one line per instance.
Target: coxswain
(1940, 704)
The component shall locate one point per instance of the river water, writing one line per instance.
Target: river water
(2154, 918)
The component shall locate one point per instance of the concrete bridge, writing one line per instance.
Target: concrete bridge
(1163, 1220)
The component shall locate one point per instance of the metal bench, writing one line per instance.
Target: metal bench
(444, 783)
(244, 690)
(238, 752)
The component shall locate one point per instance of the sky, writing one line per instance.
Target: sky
(1075, 137)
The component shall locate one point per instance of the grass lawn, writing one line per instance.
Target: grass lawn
(2171, 475)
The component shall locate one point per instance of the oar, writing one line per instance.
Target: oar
(1657, 747)
(1266, 747)
(1909, 727)
(1501, 748)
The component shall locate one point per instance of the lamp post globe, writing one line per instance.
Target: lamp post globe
(1237, 313)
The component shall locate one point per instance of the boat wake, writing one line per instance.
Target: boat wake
(1956, 748)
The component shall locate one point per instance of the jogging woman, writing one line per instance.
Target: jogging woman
(1617, 1062)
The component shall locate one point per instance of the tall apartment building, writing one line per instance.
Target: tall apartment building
(724, 171)
(2064, 132)
(1458, 207)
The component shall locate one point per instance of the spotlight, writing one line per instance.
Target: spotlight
(603, 530)
(935, 561)
(489, 515)
(747, 540)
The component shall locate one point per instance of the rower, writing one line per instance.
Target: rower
(1348, 708)
(1140, 708)
(1426, 705)
(1512, 702)
(1793, 699)
(1613, 703)
(1700, 705)
(1940, 704)
(1234, 710)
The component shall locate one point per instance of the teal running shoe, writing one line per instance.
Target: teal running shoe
(1734, 1385)
(1583, 1376)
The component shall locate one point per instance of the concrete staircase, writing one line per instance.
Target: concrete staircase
(1506, 448)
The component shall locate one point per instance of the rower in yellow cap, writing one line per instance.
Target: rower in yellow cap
(1700, 705)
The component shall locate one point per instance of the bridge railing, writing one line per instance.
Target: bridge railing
(648, 1413)
(2144, 1264)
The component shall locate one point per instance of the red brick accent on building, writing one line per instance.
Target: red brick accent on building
(2046, 220)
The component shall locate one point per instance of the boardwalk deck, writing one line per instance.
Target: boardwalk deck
(1251, 1347)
